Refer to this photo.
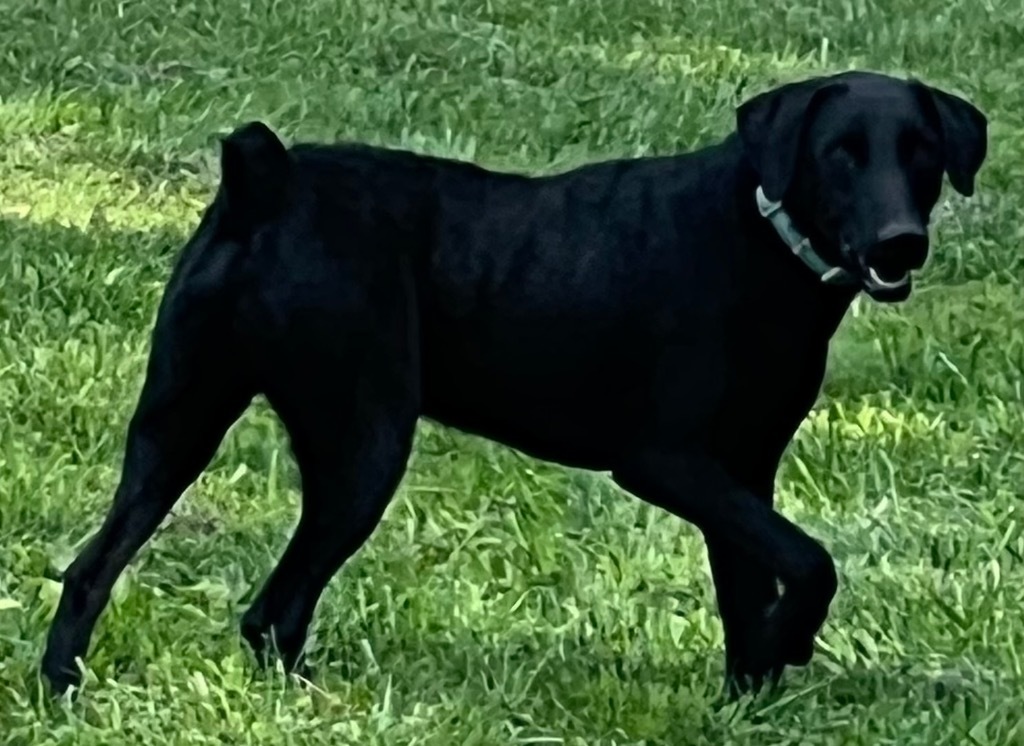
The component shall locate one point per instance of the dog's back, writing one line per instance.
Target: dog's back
(540, 300)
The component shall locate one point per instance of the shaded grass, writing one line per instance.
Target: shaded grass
(502, 600)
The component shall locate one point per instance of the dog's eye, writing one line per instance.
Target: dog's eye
(914, 146)
(849, 151)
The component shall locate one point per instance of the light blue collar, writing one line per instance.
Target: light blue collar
(800, 245)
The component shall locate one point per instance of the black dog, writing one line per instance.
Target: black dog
(665, 319)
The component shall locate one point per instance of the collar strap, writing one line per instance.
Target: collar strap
(800, 245)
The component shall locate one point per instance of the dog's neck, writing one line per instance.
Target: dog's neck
(780, 275)
(801, 246)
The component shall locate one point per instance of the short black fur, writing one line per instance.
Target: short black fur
(634, 316)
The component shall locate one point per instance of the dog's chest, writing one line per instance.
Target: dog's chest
(775, 375)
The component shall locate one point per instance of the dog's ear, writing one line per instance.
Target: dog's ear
(964, 135)
(254, 167)
(771, 127)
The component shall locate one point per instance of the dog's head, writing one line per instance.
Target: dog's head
(857, 160)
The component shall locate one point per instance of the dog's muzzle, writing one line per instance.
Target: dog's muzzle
(886, 266)
(882, 269)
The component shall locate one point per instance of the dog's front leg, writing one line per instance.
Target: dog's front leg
(746, 592)
(744, 533)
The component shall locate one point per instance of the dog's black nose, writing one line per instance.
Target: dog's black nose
(899, 248)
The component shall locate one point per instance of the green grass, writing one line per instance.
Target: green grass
(502, 601)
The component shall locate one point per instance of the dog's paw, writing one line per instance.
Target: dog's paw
(783, 638)
(59, 676)
(742, 680)
(759, 659)
(799, 651)
(256, 637)
(268, 650)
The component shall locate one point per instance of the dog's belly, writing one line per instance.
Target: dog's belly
(543, 434)
(557, 398)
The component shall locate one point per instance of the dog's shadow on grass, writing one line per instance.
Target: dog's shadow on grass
(641, 694)
(913, 682)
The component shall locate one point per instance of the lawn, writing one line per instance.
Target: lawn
(502, 600)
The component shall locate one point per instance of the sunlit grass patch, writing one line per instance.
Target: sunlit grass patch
(502, 600)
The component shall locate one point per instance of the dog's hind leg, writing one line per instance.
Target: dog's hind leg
(193, 391)
(350, 411)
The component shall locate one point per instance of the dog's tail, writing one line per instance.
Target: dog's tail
(255, 171)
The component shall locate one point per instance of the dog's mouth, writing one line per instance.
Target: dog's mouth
(887, 285)
(887, 278)
(885, 282)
